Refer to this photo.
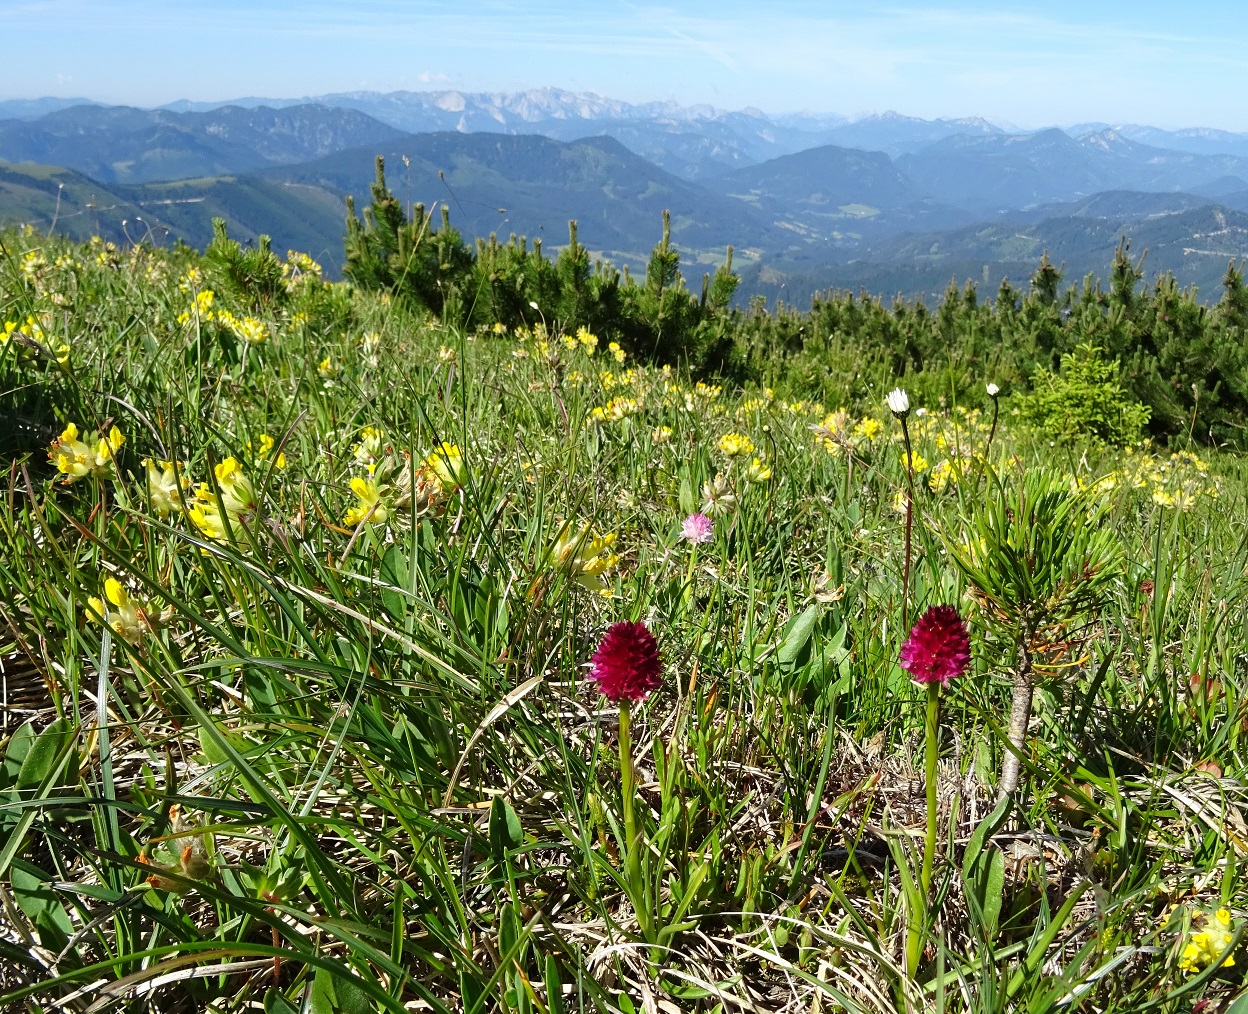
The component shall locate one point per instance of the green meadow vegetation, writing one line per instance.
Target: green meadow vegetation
(310, 702)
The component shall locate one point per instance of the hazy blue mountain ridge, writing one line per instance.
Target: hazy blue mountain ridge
(122, 144)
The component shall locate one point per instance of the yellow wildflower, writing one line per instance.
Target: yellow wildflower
(736, 445)
(616, 410)
(868, 429)
(1205, 946)
(369, 449)
(32, 338)
(250, 330)
(33, 262)
(758, 471)
(266, 446)
(446, 462)
(127, 619)
(661, 434)
(299, 266)
(447, 355)
(617, 353)
(76, 459)
(917, 462)
(165, 484)
(585, 557)
(370, 506)
(588, 340)
(237, 500)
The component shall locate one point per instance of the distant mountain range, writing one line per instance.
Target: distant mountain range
(889, 202)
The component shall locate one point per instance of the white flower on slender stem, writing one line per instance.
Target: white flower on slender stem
(993, 390)
(898, 402)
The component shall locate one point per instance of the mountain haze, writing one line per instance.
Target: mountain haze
(125, 145)
(807, 199)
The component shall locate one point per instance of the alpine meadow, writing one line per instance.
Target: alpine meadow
(503, 628)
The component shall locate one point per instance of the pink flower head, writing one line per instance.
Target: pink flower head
(938, 648)
(697, 528)
(627, 665)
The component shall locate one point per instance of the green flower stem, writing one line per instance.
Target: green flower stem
(905, 578)
(689, 577)
(931, 735)
(632, 843)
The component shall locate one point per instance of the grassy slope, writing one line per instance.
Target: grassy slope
(302, 217)
(312, 688)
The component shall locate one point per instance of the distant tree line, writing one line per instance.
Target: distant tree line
(1186, 362)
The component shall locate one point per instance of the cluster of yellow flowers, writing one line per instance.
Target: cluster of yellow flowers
(76, 459)
(392, 484)
(839, 433)
(249, 329)
(266, 448)
(106, 253)
(1205, 945)
(33, 263)
(128, 618)
(201, 308)
(298, 269)
(698, 398)
(217, 511)
(212, 509)
(1177, 480)
(616, 410)
(735, 445)
(584, 557)
(31, 338)
(167, 485)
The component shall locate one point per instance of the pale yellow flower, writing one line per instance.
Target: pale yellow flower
(237, 499)
(736, 445)
(370, 506)
(369, 449)
(1205, 945)
(584, 557)
(616, 410)
(446, 462)
(266, 446)
(758, 471)
(76, 459)
(165, 486)
(127, 619)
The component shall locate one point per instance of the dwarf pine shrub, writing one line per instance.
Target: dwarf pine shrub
(1083, 400)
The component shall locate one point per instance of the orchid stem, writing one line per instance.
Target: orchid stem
(905, 577)
(632, 844)
(931, 735)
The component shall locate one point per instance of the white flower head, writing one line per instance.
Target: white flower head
(898, 402)
(533, 303)
(993, 390)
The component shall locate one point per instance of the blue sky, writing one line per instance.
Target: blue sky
(1026, 64)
